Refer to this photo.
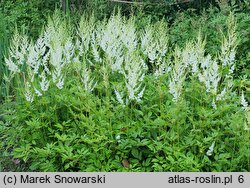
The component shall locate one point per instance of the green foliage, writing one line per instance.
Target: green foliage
(71, 130)
(28, 16)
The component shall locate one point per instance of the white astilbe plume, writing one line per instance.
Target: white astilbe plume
(176, 84)
(60, 82)
(109, 36)
(11, 66)
(28, 93)
(42, 52)
(243, 101)
(177, 77)
(44, 83)
(68, 51)
(229, 43)
(38, 93)
(29, 96)
(88, 82)
(220, 96)
(115, 38)
(211, 149)
(33, 58)
(209, 74)
(134, 72)
(84, 31)
(57, 31)
(193, 54)
(95, 51)
(117, 65)
(41, 46)
(211, 77)
(214, 104)
(190, 57)
(58, 64)
(45, 63)
(148, 44)
(37, 54)
(56, 57)
(19, 48)
(119, 97)
(154, 44)
(17, 52)
(58, 40)
(128, 35)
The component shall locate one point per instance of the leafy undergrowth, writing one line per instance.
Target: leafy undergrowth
(74, 131)
(107, 97)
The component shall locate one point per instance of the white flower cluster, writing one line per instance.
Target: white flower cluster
(128, 36)
(109, 37)
(41, 61)
(11, 65)
(211, 77)
(28, 94)
(17, 53)
(58, 64)
(25, 55)
(95, 49)
(229, 43)
(119, 97)
(154, 45)
(209, 74)
(192, 59)
(211, 149)
(116, 38)
(243, 101)
(178, 76)
(193, 54)
(84, 31)
(133, 71)
(88, 82)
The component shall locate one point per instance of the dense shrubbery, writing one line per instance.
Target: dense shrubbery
(28, 16)
(114, 96)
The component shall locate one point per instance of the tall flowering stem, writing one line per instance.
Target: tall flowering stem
(178, 75)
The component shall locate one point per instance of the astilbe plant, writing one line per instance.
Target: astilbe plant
(109, 37)
(87, 79)
(177, 75)
(17, 53)
(133, 70)
(154, 45)
(84, 31)
(219, 71)
(228, 47)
